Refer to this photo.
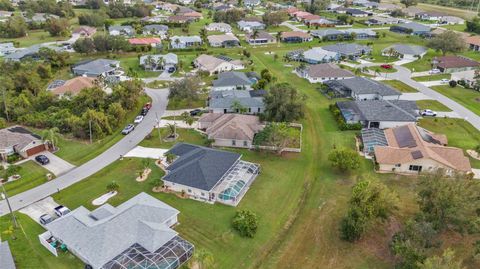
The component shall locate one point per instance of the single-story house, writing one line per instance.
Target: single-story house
(180, 19)
(146, 41)
(365, 3)
(411, 149)
(214, 65)
(183, 42)
(453, 63)
(30, 52)
(226, 40)
(95, 68)
(324, 72)
(361, 34)
(7, 48)
(230, 130)
(250, 26)
(209, 175)
(360, 88)
(251, 3)
(379, 113)
(411, 11)
(6, 258)
(349, 50)
(430, 15)
(300, 15)
(159, 61)
(357, 12)
(73, 86)
(469, 77)
(319, 55)
(262, 38)
(219, 27)
(232, 81)
(451, 20)
(125, 30)
(333, 34)
(378, 20)
(138, 231)
(17, 139)
(155, 19)
(38, 17)
(295, 37)
(155, 29)
(405, 51)
(411, 28)
(473, 42)
(321, 22)
(224, 101)
(193, 15)
(85, 31)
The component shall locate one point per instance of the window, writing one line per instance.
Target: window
(234, 142)
(189, 190)
(245, 143)
(203, 194)
(417, 168)
(398, 165)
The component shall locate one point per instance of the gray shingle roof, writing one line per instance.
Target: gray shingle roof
(32, 50)
(6, 259)
(17, 136)
(225, 99)
(382, 110)
(360, 85)
(199, 167)
(96, 67)
(232, 79)
(155, 27)
(142, 220)
(348, 49)
(415, 27)
(407, 49)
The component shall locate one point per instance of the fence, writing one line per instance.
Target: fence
(43, 240)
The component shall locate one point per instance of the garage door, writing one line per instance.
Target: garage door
(35, 150)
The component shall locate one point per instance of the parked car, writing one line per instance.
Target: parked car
(171, 70)
(128, 129)
(138, 119)
(144, 112)
(196, 112)
(386, 66)
(434, 71)
(428, 112)
(445, 81)
(42, 159)
(147, 106)
(45, 219)
(61, 210)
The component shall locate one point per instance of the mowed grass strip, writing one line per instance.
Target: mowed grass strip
(402, 87)
(432, 77)
(433, 105)
(466, 97)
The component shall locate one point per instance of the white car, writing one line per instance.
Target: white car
(138, 119)
(445, 81)
(428, 112)
(61, 210)
(434, 71)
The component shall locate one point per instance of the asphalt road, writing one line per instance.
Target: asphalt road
(159, 104)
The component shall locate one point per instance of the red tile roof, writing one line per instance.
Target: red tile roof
(144, 41)
(456, 62)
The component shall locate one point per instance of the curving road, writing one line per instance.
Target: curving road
(159, 104)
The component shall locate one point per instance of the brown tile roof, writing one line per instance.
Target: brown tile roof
(295, 34)
(474, 40)
(456, 62)
(74, 85)
(327, 70)
(396, 153)
(85, 30)
(231, 126)
(260, 35)
(192, 14)
(16, 136)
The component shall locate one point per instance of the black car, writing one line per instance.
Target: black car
(45, 219)
(195, 112)
(42, 159)
(144, 112)
(171, 70)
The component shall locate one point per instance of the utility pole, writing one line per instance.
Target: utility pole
(5, 196)
(5, 104)
(158, 127)
(90, 130)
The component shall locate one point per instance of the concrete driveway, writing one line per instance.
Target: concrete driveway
(433, 83)
(143, 152)
(414, 96)
(57, 165)
(44, 206)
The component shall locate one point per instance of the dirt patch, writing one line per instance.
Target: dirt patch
(146, 172)
(477, 99)
(377, 241)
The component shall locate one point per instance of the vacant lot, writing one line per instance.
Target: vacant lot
(466, 97)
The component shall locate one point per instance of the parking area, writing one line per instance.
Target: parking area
(35, 210)
(57, 165)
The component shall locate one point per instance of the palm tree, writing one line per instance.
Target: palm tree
(157, 183)
(113, 186)
(391, 52)
(177, 41)
(202, 259)
(172, 129)
(146, 163)
(160, 63)
(187, 118)
(279, 37)
(255, 34)
(169, 157)
(149, 62)
(51, 135)
(238, 107)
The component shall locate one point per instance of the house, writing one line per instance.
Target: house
(17, 139)
(339, 10)
(411, 149)
(155, 19)
(379, 113)
(179, 19)
(388, 7)
(5, 15)
(192, 15)
(468, 77)
(209, 175)
(360, 88)
(322, 22)
(378, 20)
(430, 15)
(125, 30)
(138, 231)
(451, 20)
(295, 37)
(225, 41)
(405, 51)
(453, 63)
(411, 28)
(232, 81)
(225, 101)
(85, 31)
(291, 11)
(473, 42)
(333, 34)
(361, 34)
(357, 12)
(219, 27)
(159, 61)
(250, 26)
(300, 15)
(319, 55)
(155, 29)
(72, 86)
(183, 42)
(365, 3)
(230, 130)
(215, 65)
(412, 11)
(7, 48)
(6, 258)
(324, 72)
(251, 3)
(169, 7)
(261, 38)
(349, 50)
(95, 68)
(38, 17)
(146, 41)
(29, 53)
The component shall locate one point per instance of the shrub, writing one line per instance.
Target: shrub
(342, 125)
(344, 159)
(246, 223)
(452, 83)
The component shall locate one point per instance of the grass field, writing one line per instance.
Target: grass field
(184, 135)
(400, 86)
(34, 37)
(433, 77)
(32, 175)
(466, 97)
(433, 105)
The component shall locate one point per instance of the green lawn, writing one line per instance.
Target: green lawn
(34, 37)
(433, 105)
(455, 27)
(423, 64)
(433, 77)
(466, 97)
(174, 104)
(184, 135)
(402, 87)
(460, 133)
(32, 175)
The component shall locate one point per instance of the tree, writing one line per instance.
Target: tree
(170, 157)
(84, 45)
(283, 103)
(446, 261)
(112, 186)
(371, 200)
(14, 27)
(6, 5)
(452, 83)
(202, 259)
(409, 3)
(237, 107)
(172, 130)
(185, 89)
(51, 135)
(344, 159)
(146, 162)
(448, 41)
(57, 27)
(187, 118)
(316, 6)
(274, 18)
(276, 134)
(246, 223)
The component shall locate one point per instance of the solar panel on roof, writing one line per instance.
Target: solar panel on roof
(225, 58)
(417, 154)
(404, 137)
